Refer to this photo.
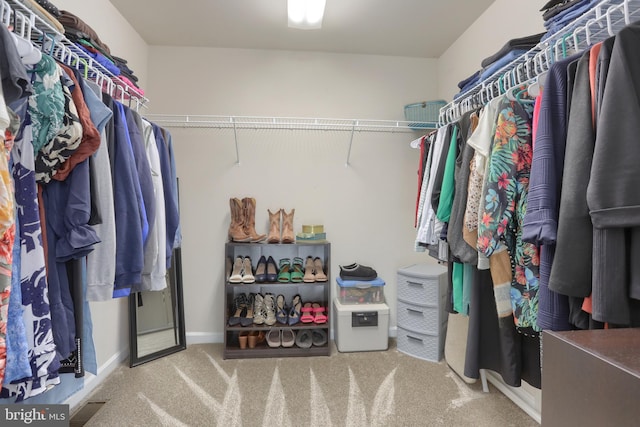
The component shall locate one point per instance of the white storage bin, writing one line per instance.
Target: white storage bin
(361, 327)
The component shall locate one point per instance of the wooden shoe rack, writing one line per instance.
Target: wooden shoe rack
(310, 292)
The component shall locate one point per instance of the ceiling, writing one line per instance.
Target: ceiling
(413, 28)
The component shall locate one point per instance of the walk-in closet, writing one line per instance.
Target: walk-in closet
(315, 212)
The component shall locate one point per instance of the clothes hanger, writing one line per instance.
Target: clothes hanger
(29, 54)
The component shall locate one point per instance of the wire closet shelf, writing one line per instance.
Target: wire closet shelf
(602, 21)
(286, 123)
(289, 123)
(30, 26)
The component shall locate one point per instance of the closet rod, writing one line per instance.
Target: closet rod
(29, 26)
(289, 123)
(602, 21)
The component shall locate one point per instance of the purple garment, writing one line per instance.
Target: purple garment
(540, 225)
(102, 60)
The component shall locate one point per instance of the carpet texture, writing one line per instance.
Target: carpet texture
(196, 387)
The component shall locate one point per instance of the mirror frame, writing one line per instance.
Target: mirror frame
(176, 272)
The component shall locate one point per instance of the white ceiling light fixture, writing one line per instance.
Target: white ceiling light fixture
(305, 14)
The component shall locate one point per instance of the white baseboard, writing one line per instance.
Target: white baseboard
(91, 382)
(204, 337)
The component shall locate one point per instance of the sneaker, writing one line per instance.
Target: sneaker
(357, 272)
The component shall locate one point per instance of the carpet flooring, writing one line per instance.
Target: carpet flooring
(195, 387)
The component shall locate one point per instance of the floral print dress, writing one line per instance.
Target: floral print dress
(503, 209)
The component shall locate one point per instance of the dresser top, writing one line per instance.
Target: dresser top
(619, 347)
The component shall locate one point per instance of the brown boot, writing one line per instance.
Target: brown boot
(249, 209)
(287, 227)
(274, 226)
(236, 228)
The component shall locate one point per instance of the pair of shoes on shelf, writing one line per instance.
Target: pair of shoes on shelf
(281, 233)
(264, 309)
(290, 271)
(239, 310)
(281, 337)
(308, 337)
(242, 271)
(357, 272)
(255, 338)
(243, 221)
(313, 313)
(314, 270)
(282, 311)
(295, 310)
(242, 310)
(266, 270)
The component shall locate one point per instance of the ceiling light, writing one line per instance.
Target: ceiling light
(305, 14)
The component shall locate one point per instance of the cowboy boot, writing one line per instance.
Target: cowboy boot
(274, 226)
(287, 227)
(249, 209)
(236, 228)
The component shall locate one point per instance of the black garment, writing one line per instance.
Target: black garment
(439, 176)
(572, 265)
(459, 247)
(49, 7)
(500, 348)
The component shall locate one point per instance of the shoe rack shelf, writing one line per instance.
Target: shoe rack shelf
(309, 292)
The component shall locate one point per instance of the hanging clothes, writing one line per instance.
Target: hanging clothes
(612, 193)
(36, 311)
(503, 210)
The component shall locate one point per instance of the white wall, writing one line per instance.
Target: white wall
(366, 207)
(502, 21)
(111, 318)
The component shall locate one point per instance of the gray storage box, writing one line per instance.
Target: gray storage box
(422, 319)
(361, 327)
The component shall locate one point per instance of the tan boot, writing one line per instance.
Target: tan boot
(249, 209)
(274, 226)
(236, 228)
(287, 227)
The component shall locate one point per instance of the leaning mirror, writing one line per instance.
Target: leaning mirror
(156, 318)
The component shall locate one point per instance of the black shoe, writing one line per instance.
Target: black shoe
(357, 272)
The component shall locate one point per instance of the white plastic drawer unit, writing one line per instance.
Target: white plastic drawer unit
(426, 347)
(422, 290)
(417, 318)
(421, 284)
